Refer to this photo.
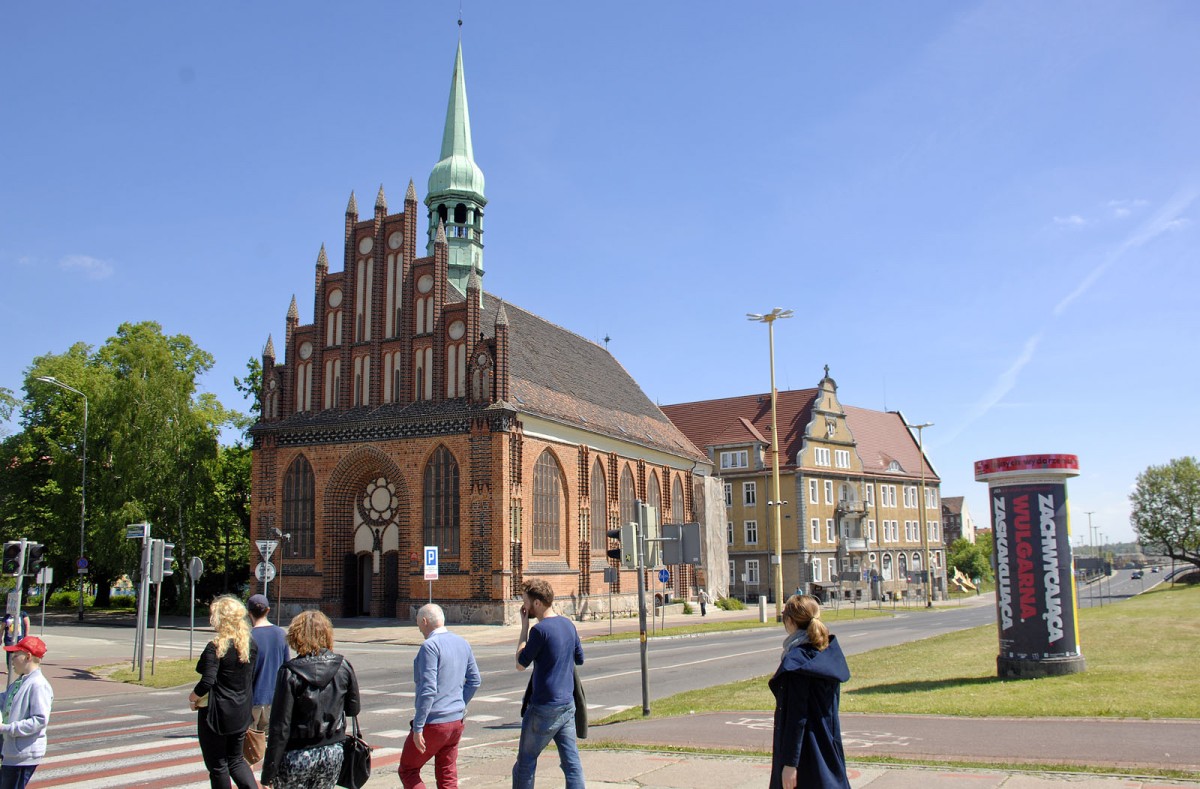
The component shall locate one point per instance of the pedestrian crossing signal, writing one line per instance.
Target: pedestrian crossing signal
(626, 555)
(13, 557)
(34, 553)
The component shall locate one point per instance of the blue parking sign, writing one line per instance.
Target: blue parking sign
(431, 562)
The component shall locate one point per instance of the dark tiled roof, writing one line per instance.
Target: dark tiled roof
(881, 436)
(561, 376)
(952, 504)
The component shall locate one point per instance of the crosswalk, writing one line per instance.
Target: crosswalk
(91, 747)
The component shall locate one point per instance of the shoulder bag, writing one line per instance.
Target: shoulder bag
(356, 762)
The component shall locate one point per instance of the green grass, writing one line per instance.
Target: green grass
(167, 673)
(827, 615)
(1141, 663)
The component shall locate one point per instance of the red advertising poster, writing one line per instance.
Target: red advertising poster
(1035, 605)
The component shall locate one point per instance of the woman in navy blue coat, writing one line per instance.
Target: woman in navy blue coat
(807, 748)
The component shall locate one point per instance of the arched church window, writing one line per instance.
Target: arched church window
(654, 495)
(627, 496)
(442, 213)
(599, 507)
(441, 503)
(677, 501)
(460, 214)
(298, 507)
(547, 504)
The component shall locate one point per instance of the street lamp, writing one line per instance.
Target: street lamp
(924, 531)
(49, 379)
(777, 509)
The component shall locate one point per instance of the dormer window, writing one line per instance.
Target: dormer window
(738, 459)
(894, 466)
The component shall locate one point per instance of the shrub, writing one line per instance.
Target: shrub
(687, 607)
(730, 604)
(70, 598)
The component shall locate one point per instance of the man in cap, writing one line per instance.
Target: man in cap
(26, 712)
(271, 641)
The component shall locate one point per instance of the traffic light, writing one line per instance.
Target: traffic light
(34, 552)
(14, 557)
(162, 555)
(650, 535)
(627, 553)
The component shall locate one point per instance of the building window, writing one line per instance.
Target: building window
(930, 497)
(832, 568)
(599, 507)
(820, 456)
(870, 494)
(298, 507)
(829, 530)
(816, 570)
(916, 562)
(904, 567)
(654, 495)
(812, 491)
(933, 531)
(732, 572)
(752, 571)
(751, 532)
(547, 504)
(828, 491)
(729, 532)
(749, 493)
(871, 531)
(910, 497)
(739, 459)
(728, 494)
(841, 458)
(441, 503)
(677, 501)
(815, 529)
(627, 496)
(887, 567)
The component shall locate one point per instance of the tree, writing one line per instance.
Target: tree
(1166, 509)
(970, 558)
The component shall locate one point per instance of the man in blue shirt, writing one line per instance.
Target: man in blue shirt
(446, 677)
(273, 652)
(552, 646)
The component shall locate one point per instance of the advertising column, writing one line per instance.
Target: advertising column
(1035, 585)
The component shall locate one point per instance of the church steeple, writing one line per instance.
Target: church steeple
(455, 195)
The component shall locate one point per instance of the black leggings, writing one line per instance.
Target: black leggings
(223, 756)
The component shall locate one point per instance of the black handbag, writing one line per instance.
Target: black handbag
(356, 760)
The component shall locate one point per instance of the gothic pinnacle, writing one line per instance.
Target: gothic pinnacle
(293, 311)
(380, 200)
(322, 261)
(440, 238)
(411, 194)
(352, 206)
(269, 349)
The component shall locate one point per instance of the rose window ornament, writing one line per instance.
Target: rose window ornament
(378, 505)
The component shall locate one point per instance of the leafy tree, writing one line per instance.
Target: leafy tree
(1166, 509)
(970, 558)
(8, 404)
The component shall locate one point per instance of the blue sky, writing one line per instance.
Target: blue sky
(983, 213)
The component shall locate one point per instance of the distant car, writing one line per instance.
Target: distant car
(1137, 574)
(1154, 569)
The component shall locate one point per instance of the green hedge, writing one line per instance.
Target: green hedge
(731, 604)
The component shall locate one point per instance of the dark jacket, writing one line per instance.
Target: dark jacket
(580, 698)
(808, 734)
(229, 684)
(313, 696)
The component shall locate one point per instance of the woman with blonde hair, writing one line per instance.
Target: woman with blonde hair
(224, 694)
(314, 694)
(807, 748)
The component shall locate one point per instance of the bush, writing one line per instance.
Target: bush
(124, 601)
(730, 604)
(69, 598)
(687, 607)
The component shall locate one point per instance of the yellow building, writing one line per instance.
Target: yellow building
(851, 482)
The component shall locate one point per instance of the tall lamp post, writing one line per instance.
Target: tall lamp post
(49, 379)
(924, 530)
(776, 503)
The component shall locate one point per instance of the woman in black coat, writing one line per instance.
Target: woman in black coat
(807, 748)
(224, 695)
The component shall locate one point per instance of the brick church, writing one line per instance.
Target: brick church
(418, 409)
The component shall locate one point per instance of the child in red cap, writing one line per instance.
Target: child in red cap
(25, 707)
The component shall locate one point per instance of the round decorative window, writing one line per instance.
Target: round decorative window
(365, 245)
(305, 350)
(395, 240)
(425, 283)
(457, 330)
(335, 298)
(379, 502)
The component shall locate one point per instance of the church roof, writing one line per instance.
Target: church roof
(563, 377)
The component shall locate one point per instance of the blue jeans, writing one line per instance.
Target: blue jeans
(16, 777)
(542, 723)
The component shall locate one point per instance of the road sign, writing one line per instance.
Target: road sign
(81, 565)
(195, 568)
(45, 576)
(266, 548)
(265, 572)
(431, 563)
(137, 531)
(664, 575)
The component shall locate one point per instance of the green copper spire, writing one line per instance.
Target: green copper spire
(455, 195)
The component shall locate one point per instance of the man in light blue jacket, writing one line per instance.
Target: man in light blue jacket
(26, 710)
(446, 677)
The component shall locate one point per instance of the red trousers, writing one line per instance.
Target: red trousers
(441, 745)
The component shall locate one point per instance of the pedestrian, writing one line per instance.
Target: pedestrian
(26, 708)
(705, 599)
(314, 694)
(15, 628)
(807, 746)
(271, 641)
(552, 646)
(224, 695)
(446, 677)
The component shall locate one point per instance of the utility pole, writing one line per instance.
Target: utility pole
(924, 531)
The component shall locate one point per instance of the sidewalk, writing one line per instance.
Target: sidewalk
(491, 766)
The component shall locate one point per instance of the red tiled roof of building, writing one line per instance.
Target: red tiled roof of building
(952, 504)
